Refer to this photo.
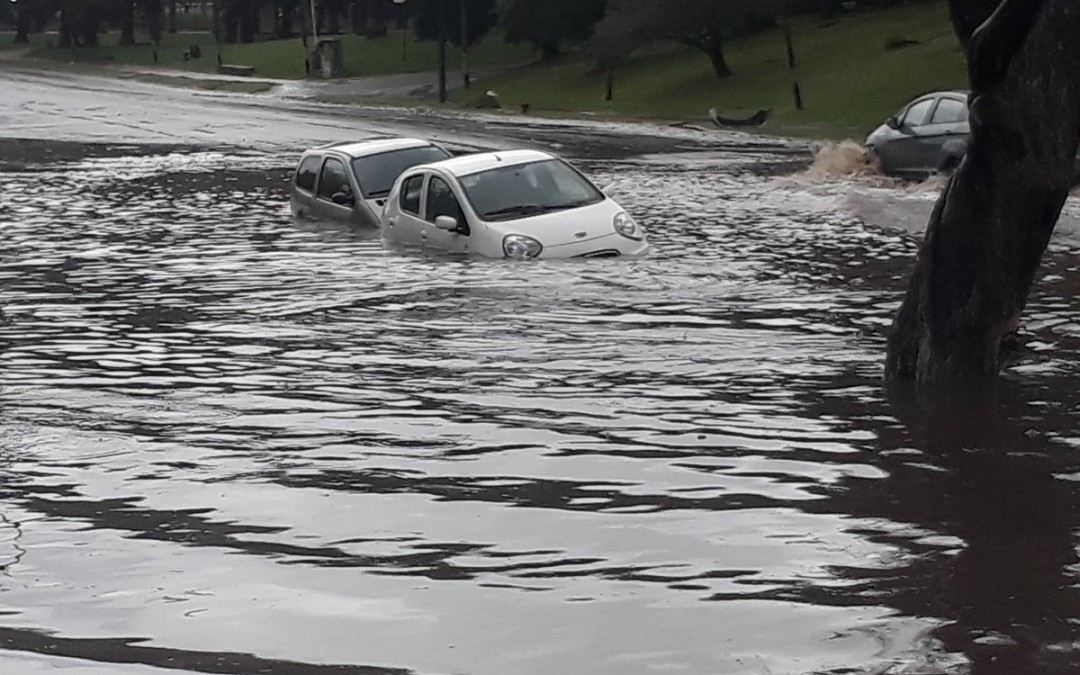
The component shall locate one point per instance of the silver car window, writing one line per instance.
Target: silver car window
(410, 194)
(949, 111)
(917, 114)
(333, 179)
(305, 174)
(376, 173)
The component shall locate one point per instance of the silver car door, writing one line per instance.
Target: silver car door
(302, 193)
(334, 196)
(906, 149)
(940, 137)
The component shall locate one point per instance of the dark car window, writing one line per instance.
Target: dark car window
(917, 114)
(410, 194)
(528, 189)
(305, 175)
(376, 173)
(333, 179)
(949, 111)
(442, 202)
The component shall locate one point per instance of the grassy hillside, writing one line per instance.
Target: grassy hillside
(851, 72)
(283, 59)
(849, 80)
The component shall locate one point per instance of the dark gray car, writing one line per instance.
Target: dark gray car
(928, 135)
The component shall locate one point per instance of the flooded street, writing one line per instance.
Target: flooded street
(235, 443)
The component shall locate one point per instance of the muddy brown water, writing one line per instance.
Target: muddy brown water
(234, 443)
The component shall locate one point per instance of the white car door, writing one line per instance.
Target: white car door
(404, 222)
(441, 200)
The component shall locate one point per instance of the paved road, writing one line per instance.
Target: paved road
(84, 107)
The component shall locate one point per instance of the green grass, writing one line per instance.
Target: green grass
(849, 81)
(282, 59)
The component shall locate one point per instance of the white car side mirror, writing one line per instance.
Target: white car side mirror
(448, 223)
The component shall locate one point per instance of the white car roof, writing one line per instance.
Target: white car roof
(469, 164)
(375, 146)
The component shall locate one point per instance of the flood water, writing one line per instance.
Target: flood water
(234, 443)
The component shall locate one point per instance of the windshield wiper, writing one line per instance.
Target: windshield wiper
(518, 209)
(571, 205)
(375, 194)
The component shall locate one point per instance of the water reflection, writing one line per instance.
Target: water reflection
(234, 443)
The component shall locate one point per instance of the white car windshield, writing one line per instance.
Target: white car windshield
(376, 173)
(528, 189)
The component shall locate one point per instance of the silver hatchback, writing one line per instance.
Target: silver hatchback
(350, 181)
(928, 135)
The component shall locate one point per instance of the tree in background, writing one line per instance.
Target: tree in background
(549, 24)
(27, 18)
(993, 221)
(8, 12)
(378, 13)
(614, 41)
(705, 25)
(80, 22)
(479, 15)
(240, 20)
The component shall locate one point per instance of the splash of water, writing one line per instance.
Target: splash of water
(845, 159)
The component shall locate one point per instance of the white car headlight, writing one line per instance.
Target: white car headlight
(520, 247)
(626, 226)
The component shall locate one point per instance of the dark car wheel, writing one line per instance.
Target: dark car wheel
(950, 165)
(873, 159)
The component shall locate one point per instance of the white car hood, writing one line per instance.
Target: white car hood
(572, 226)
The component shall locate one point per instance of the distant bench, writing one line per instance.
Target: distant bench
(227, 69)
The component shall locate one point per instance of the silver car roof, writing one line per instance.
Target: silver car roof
(355, 149)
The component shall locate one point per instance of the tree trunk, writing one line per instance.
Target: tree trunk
(993, 220)
(22, 23)
(376, 19)
(249, 13)
(230, 21)
(127, 23)
(549, 50)
(712, 45)
(89, 25)
(715, 53)
(335, 20)
(359, 16)
(66, 37)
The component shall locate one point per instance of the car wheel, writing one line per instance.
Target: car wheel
(873, 159)
(950, 165)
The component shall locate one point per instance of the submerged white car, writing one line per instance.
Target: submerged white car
(349, 181)
(518, 204)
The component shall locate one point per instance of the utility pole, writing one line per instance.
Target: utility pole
(442, 50)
